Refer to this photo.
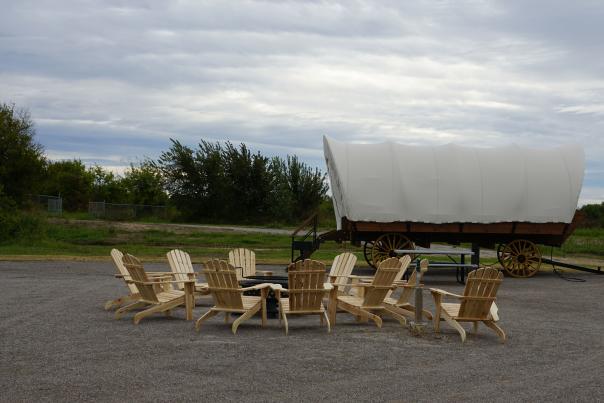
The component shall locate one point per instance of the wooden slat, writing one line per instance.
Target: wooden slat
(244, 258)
(305, 285)
(223, 284)
(117, 256)
(137, 273)
(342, 266)
(180, 264)
(480, 291)
(382, 281)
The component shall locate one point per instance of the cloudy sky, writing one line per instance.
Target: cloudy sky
(110, 82)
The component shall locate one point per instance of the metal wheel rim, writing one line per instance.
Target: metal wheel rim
(519, 258)
(384, 246)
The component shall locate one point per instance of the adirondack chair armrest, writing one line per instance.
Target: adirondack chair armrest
(369, 285)
(277, 287)
(406, 285)
(256, 287)
(438, 291)
(178, 281)
(355, 276)
(328, 286)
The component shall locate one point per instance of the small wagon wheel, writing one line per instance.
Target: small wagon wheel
(383, 247)
(367, 253)
(519, 258)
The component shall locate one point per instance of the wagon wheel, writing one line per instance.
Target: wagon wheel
(383, 247)
(519, 258)
(367, 252)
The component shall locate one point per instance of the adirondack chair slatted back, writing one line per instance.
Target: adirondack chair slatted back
(244, 260)
(382, 281)
(223, 284)
(342, 266)
(137, 273)
(407, 292)
(405, 260)
(116, 256)
(305, 285)
(181, 265)
(479, 294)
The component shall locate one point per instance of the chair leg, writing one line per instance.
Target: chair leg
(205, 316)
(227, 317)
(246, 315)
(120, 301)
(321, 319)
(263, 309)
(475, 327)
(285, 324)
(454, 324)
(436, 320)
(496, 328)
(360, 313)
(397, 313)
(158, 308)
(327, 321)
(120, 312)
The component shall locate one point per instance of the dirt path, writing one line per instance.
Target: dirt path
(177, 228)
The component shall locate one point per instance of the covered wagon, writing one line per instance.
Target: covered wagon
(391, 196)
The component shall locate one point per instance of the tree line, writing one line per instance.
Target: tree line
(213, 182)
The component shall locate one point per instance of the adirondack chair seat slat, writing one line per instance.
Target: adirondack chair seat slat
(169, 295)
(284, 304)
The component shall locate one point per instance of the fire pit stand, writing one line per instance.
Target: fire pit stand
(272, 306)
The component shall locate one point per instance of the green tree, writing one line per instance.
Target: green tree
(144, 184)
(248, 182)
(72, 181)
(106, 186)
(229, 183)
(593, 215)
(22, 159)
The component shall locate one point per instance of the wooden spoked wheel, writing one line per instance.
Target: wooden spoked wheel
(519, 258)
(367, 253)
(383, 247)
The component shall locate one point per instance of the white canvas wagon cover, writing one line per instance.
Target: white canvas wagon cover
(389, 182)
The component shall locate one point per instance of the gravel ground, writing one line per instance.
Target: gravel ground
(57, 343)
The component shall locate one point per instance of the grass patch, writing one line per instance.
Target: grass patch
(96, 239)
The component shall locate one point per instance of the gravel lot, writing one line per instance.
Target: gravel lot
(57, 343)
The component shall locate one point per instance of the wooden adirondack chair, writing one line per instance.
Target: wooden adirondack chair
(408, 291)
(116, 256)
(228, 295)
(477, 303)
(162, 301)
(340, 271)
(372, 302)
(182, 267)
(244, 261)
(306, 288)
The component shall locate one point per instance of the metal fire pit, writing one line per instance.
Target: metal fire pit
(272, 306)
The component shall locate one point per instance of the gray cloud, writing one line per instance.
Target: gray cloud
(112, 81)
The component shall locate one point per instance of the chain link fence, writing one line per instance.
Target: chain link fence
(113, 211)
(51, 204)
